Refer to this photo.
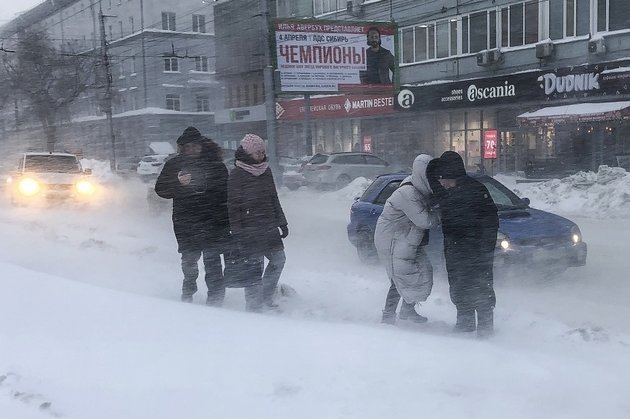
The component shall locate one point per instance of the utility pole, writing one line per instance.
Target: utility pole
(308, 135)
(270, 93)
(107, 99)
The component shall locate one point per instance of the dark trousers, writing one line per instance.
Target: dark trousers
(213, 277)
(262, 292)
(471, 287)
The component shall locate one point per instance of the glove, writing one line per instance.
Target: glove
(284, 231)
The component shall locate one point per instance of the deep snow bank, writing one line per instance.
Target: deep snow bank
(601, 194)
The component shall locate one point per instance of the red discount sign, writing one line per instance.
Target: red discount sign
(367, 144)
(490, 144)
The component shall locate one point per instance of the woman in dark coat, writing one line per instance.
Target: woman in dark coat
(196, 181)
(257, 221)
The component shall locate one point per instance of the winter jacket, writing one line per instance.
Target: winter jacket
(400, 231)
(379, 65)
(255, 211)
(200, 216)
(469, 224)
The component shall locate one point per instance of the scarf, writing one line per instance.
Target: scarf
(255, 169)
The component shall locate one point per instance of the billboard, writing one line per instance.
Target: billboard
(335, 56)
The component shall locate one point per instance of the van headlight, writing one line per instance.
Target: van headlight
(29, 187)
(503, 241)
(576, 235)
(84, 187)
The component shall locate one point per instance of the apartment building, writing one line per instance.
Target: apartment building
(162, 62)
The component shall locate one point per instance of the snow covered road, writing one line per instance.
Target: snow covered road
(109, 351)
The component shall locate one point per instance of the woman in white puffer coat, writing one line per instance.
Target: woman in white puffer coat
(401, 233)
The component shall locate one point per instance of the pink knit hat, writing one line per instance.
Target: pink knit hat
(252, 143)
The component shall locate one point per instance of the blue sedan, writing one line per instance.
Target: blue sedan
(527, 236)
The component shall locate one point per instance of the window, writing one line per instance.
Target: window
(131, 25)
(375, 161)
(387, 192)
(199, 23)
(121, 67)
(168, 21)
(173, 102)
(201, 64)
(612, 15)
(171, 65)
(348, 159)
(120, 26)
(133, 65)
(327, 6)
(568, 18)
(203, 104)
(519, 24)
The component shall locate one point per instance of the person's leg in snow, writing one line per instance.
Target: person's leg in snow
(408, 312)
(214, 277)
(271, 276)
(391, 304)
(190, 268)
(253, 298)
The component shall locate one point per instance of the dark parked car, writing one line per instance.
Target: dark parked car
(527, 236)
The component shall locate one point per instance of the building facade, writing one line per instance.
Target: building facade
(162, 63)
(514, 68)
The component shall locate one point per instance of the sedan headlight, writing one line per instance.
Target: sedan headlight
(29, 187)
(503, 241)
(84, 187)
(576, 235)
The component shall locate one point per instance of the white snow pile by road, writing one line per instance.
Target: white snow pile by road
(353, 189)
(603, 194)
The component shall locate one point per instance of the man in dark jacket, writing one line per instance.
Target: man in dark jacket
(379, 60)
(256, 218)
(469, 224)
(196, 181)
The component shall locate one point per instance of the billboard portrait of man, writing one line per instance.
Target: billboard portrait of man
(379, 60)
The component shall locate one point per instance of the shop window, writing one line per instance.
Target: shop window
(612, 15)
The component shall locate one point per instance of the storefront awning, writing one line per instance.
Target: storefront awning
(581, 112)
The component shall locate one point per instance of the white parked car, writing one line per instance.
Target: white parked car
(339, 169)
(151, 165)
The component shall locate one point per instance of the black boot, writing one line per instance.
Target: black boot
(465, 321)
(485, 323)
(408, 312)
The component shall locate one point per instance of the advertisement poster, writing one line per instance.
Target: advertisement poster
(490, 144)
(329, 56)
(367, 143)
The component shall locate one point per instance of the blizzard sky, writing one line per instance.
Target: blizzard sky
(9, 9)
